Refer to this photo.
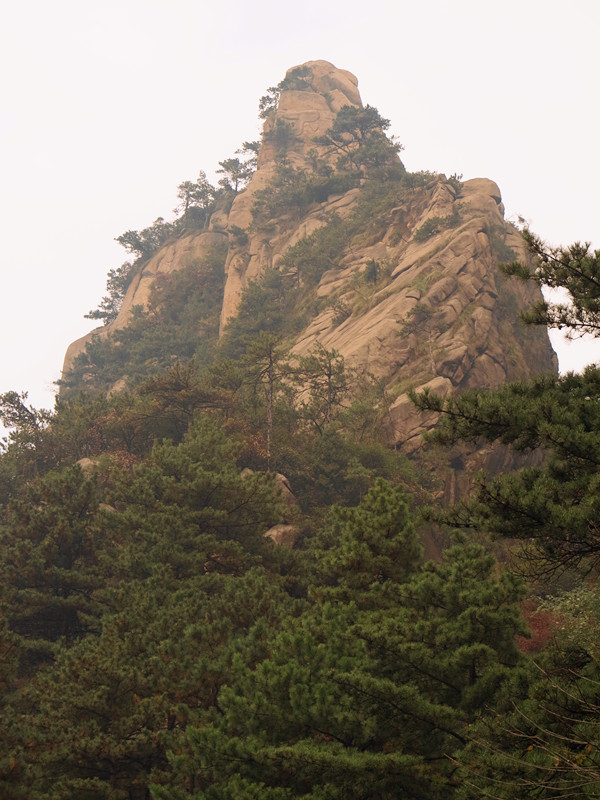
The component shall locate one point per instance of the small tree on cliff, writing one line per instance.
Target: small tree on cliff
(195, 196)
(146, 242)
(296, 79)
(357, 137)
(236, 174)
(117, 284)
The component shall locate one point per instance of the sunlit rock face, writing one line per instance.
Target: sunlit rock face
(473, 336)
(308, 111)
(443, 315)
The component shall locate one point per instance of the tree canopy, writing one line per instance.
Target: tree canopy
(542, 739)
(575, 269)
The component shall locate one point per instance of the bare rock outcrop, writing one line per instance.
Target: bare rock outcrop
(284, 535)
(447, 318)
(305, 113)
(439, 314)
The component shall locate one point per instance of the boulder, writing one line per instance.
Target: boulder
(88, 465)
(284, 535)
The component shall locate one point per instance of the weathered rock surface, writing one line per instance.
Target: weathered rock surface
(444, 317)
(309, 113)
(284, 535)
(286, 495)
(87, 465)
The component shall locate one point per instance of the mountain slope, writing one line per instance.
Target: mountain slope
(395, 271)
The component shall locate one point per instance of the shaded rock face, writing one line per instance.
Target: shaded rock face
(442, 316)
(285, 533)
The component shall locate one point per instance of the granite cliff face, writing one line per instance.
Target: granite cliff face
(413, 296)
(309, 112)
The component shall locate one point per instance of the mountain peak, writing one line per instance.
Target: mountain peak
(302, 107)
(324, 78)
(394, 271)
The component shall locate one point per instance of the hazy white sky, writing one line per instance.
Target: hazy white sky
(106, 107)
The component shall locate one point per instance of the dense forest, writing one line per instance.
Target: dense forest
(154, 643)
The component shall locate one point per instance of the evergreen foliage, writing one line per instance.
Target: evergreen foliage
(576, 269)
(119, 616)
(154, 644)
(266, 306)
(293, 190)
(542, 742)
(49, 560)
(318, 252)
(358, 138)
(181, 322)
(435, 225)
(541, 739)
(297, 79)
(117, 284)
(554, 506)
(145, 243)
(157, 634)
(365, 692)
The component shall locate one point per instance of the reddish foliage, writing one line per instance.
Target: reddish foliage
(124, 459)
(542, 624)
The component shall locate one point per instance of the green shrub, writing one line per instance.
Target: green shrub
(322, 250)
(435, 225)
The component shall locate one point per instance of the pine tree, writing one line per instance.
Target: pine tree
(357, 137)
(554, 507)
(576, 269)
(147, 613)
(542, 741)
(49, 549)
(373, 685)
(99, 722)
(187, 510)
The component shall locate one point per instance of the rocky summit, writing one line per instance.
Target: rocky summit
(397, 272)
